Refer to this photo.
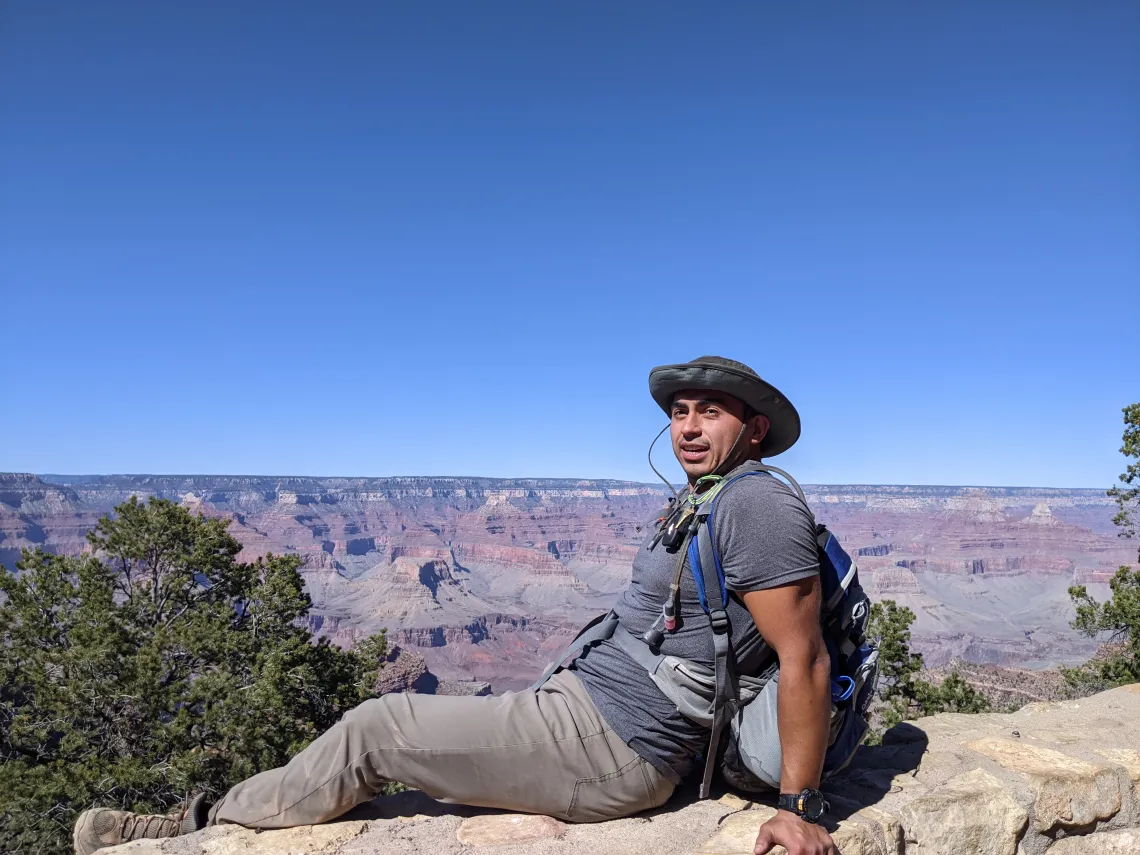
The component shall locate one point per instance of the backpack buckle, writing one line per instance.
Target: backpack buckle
(719, 618)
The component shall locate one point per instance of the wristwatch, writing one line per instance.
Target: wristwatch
(809, 805)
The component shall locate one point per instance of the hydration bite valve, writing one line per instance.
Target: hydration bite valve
(669, 613)
(653, 637)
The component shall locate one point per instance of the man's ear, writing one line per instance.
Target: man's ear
(760, 425)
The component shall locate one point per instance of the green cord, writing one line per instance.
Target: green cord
(694, 499)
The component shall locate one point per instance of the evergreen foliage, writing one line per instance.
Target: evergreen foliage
(1127, 492)
(902, 693)
(155, 666)
(1119, 661)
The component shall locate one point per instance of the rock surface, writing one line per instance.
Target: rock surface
(1054, 778)
(1105, 843)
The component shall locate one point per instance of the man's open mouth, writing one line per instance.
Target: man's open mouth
(693, 453)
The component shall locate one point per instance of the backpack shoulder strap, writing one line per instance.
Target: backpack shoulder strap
(708, 574)
(709, 577)
(760, 469)
(703, 556)
(599, 629)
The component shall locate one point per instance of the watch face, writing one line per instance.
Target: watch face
(813, 805)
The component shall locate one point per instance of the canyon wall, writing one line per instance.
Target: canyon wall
(487, 578)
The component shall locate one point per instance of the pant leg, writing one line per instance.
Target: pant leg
(547, 751)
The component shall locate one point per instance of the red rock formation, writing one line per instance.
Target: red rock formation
(491, 576)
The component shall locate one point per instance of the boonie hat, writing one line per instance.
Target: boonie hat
(735, 379)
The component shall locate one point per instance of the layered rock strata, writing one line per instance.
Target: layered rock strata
(1050, 779)
(486, 576)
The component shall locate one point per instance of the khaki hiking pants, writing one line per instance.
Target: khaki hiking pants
(547, 751)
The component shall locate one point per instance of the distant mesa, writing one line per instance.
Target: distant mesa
(1042, 515)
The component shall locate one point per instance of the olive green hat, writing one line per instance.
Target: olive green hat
(735, 379)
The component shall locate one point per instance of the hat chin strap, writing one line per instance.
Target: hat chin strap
(728, 465)
(730, 462)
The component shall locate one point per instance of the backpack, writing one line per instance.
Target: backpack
(740, 710)
(750, 757)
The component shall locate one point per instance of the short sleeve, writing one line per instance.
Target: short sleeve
(765, 537)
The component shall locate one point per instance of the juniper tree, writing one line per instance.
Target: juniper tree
(1119, 618)
(154, 666)
(1127, 492)
(902, 693)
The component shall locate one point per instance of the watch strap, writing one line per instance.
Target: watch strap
(789, 802)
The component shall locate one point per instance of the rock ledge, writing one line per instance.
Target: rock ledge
(1057, 778)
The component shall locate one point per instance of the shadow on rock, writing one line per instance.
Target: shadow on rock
(408, 804)
(865, 782)
(871, 775)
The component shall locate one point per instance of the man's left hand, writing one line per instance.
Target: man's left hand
(794, 834)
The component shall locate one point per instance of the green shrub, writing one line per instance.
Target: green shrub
(902, 693)
(1118, 662)
(156, 666)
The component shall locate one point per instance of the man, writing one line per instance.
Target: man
(599, 739)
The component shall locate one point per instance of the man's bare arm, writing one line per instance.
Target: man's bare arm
(788, 619)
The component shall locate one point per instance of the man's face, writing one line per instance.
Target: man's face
(704, 427)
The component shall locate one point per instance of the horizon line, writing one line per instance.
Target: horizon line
(520, 478)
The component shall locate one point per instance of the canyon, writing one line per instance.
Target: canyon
(486, 579)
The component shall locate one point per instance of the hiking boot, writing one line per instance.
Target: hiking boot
(101, 827)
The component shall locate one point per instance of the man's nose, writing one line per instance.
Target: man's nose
(691, 425)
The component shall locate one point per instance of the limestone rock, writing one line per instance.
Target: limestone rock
(1126, 757)
(857, 838)
(971, 813)
(737, 834)
(1104, 843)
(889, 828)
(506, 829)
(1052, 779)
(1070, 792)
(734, 802)
(235, 840)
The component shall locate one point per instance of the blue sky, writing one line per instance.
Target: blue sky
(452, 238)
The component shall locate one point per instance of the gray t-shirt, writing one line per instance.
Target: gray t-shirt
(765, 537)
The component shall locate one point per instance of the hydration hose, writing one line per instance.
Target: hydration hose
(682, 520)
(672, 489)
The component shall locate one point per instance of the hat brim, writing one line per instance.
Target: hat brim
(665, 381)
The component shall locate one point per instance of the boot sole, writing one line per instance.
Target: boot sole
(197, 815)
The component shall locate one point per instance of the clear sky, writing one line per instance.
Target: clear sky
(452, 238)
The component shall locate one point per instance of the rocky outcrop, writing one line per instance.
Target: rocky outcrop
(405, 671)
(464, 688)
(1051, 779)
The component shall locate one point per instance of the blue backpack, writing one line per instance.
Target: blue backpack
(750, 757)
